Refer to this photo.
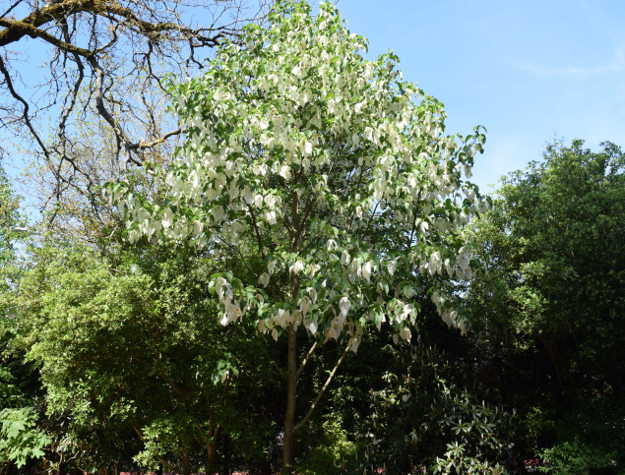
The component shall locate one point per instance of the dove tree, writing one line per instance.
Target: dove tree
(327, 177)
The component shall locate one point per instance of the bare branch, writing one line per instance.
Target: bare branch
(25, 115)
(323, 389)
(108, 61)
(306, 359)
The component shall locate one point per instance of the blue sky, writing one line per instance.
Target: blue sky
(529, 71)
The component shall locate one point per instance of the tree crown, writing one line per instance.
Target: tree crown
(334, 170)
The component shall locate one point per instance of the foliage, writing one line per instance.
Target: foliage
(318, 198)
(333, 452)
(336, 167)
(10, 395)
(20, 438)
(129, 349)
(554, 266)
(9, 217)
(549, 295)
(11, 231)
(421, 417)
(589, 440)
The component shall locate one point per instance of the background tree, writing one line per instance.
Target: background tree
(105, 59)
(409, 407)
(335, 168)
(78, 210)
(20, 437)
(10, 220)
(553, 252)
(133, 364)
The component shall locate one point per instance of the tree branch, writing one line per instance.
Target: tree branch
(26, 107)
(323, 390)
(259, 239)
(306, 359)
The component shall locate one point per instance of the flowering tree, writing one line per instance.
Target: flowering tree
(335, 171)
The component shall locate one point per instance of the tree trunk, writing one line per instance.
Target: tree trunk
(186, 467)
(211, 448)
(210, 458)
(211, 443)
(563, 376)
(226, 457)
(289, 418)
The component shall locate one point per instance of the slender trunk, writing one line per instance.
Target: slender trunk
(289, 417)
(211, 442)
(210, 447)
(210, 458)
(226, 467)
(292, 373)
(186, 467)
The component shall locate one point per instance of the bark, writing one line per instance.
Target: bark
(292, 363)
(289, 418)
(213, 434)
(186, 467)
(210, 458)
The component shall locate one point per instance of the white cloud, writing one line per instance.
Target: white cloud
(616, 64)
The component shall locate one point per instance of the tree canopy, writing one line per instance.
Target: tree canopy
(554, 256)
(128, 348)
(550, 296)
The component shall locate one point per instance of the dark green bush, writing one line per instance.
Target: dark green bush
(590, 441)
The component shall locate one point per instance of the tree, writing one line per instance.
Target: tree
(553, 250)
(78, 210)
(132, 363)
(412, 405)
(106, 60)
(20, 438)
(335, 169)
(553, 255)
